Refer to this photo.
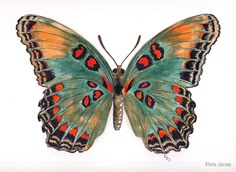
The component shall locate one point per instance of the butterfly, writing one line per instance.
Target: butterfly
(81, 87)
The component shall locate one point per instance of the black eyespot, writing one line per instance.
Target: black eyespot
(114, 70)
(122, 71)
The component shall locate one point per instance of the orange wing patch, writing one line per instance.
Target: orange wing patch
(52, 39)
(185, 28)
(45, 39)
(192, 34)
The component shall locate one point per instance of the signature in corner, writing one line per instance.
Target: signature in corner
(217, 164)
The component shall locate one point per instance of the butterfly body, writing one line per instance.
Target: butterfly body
(118, 98)
(81, 87)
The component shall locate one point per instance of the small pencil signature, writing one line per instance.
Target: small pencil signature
(168, 159)
(217, 164)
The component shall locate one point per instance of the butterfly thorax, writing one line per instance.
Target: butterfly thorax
(118, 74)
(118, 98)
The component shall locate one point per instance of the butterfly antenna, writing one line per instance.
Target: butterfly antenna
(100, 40)
(139, 37)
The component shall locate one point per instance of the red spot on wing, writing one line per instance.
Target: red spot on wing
(144, 61)
(144, 85)
(92, 84)
(55, 110)
(149, 101)
(86, 101)
(156, 52)
(79, 52)
(175, 88)
(91, 63)
(179, 99)
(97, 94)
(84, 136)
(58, 118)
(63, 127)
(107, 84)
(59, 87)
(56, 98)
(179, 110)
(127, 86)
(176, 120)
(74, 131)
(151, 137)
(162, 133)
(139, 95)
(171, 129)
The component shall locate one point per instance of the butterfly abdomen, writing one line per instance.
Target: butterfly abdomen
(118, 103)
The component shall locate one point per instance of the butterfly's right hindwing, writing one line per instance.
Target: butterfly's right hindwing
(74, 113)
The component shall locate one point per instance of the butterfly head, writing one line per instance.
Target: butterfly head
(118, 72)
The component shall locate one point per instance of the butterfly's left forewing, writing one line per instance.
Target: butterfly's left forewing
(79, 83)
(157, 102)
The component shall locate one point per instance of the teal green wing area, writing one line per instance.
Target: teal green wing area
(74, 113)
(178, 53)
(157, 101)
(161, 113)
(78, 80)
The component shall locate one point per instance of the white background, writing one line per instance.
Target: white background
(22, 144)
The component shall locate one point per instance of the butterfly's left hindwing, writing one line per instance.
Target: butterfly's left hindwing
(79, 83)
(157, 102)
